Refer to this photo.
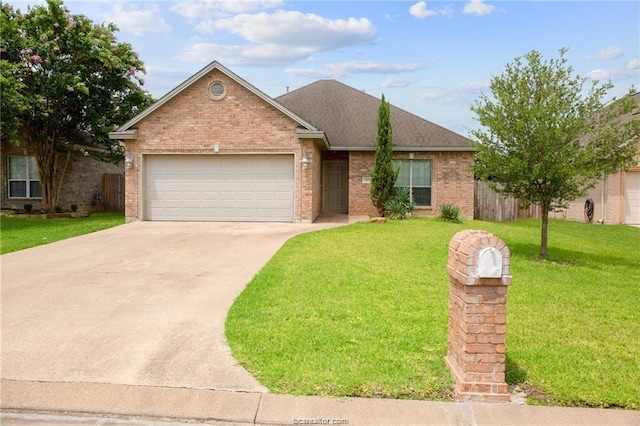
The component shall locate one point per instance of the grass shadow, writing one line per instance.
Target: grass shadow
(567, 257)
(514, 373)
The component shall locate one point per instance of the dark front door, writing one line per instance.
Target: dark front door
(335, 194)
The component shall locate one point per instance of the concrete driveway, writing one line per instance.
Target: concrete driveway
(143, 303)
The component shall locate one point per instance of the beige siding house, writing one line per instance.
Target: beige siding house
(616, 197)
(216, 148)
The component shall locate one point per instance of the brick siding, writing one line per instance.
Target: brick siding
(241, 122)
(452, 181)
(609, 200)
(82, 180)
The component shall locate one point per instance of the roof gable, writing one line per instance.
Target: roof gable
(127, 130)
(349, 118)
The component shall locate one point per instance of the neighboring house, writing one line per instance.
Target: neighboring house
(616, 197)
(218, 149)
(21, 185)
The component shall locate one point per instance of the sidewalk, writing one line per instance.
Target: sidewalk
(58, 403)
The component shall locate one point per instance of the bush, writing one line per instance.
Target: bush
(74, 208)
(449, 213)
(28, 207)
(57, 209)
(400, 206)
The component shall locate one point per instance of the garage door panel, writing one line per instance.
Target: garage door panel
(632, 198)
(219, 188)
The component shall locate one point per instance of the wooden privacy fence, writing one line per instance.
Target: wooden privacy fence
(113, 192)
(489, 205)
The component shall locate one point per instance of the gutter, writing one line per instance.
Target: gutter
(124, 134)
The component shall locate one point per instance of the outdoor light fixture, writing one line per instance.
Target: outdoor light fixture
(305, 161)
(128, 161)
(216, 147)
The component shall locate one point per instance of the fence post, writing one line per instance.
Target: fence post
(479, 274)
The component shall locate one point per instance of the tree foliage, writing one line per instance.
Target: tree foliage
(546, 137)
(65, 80)
(383, 175)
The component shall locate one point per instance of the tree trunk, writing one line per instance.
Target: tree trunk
(47, 160)
(57, 184)
(543, 231)
(44, 147)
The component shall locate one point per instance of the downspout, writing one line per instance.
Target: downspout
(621, 209)
(604, 197)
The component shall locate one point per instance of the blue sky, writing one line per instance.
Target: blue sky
(430, 58)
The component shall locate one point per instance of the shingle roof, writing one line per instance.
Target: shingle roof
(349, 118)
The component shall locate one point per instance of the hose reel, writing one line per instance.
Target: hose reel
(589, 207)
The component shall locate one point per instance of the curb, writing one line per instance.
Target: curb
(183, 405)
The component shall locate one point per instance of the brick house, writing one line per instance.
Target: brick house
(616, 197)
(83, 179)
(218, 149)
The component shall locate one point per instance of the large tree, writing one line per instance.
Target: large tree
(547, 137)
(383, 175)
(65, 80)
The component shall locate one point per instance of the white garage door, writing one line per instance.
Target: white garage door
(632, 198)
(247, 188)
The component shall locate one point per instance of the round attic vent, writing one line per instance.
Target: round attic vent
(217, 90)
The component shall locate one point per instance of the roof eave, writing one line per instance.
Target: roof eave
(313, 134)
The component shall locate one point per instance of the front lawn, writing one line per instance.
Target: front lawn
(17, 233)
(361, 310)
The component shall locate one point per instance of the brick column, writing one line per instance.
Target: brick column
(478, 269)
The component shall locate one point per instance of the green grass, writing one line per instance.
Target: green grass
(20, 233)
(362, 311)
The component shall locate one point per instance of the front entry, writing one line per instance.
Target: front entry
(335, 184)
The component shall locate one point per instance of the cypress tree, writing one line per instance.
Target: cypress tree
(383, 175)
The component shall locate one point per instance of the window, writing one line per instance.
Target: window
(23, 177)
(217, 90)
(415, 175)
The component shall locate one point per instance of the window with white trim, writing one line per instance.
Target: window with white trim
(23, 177)
(415, 175)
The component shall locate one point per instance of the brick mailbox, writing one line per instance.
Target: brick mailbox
(478, 269)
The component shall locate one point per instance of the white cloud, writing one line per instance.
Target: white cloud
(341, 69)
(206, 26)
(462, 94)
(161, 80)
(373, 67)
(430, 95)
(477, 7)
(420, 10)
(255, 55)
(130, 18)
(311, 73)
(631, 70)
(611, 52)
(218, 8)
(296, 29)
(599, 74)
(394, 82)
(166, 71)
(278, 38)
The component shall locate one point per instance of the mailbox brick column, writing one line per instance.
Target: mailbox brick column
(477, 315)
